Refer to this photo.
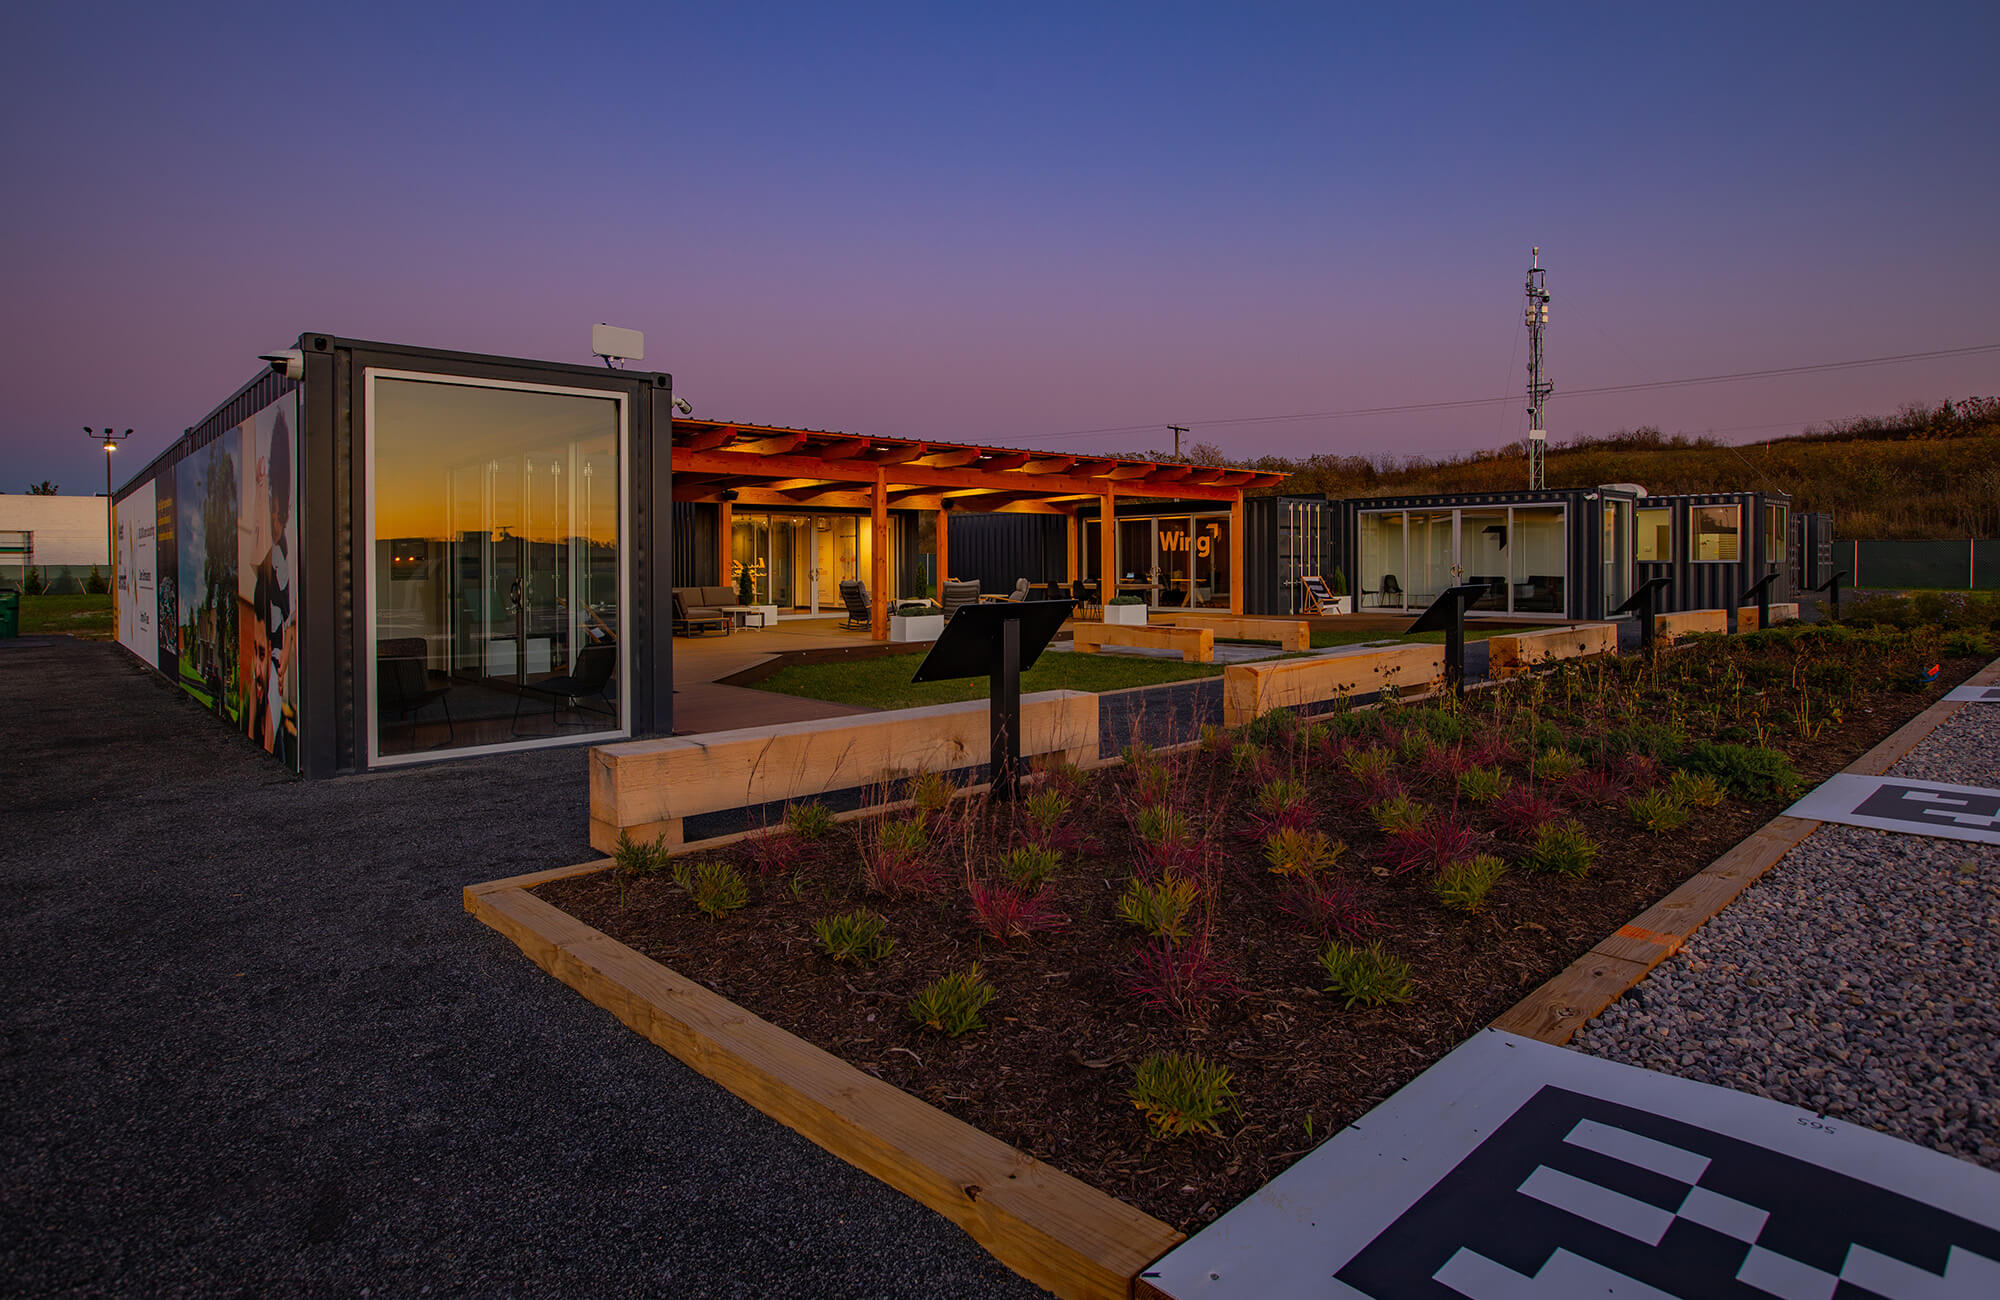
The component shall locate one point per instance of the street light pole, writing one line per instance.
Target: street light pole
(110, 437)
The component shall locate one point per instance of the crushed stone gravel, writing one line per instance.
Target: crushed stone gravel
(1860, 978)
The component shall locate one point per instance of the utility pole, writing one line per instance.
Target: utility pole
(1538, 388)
(1178, 429)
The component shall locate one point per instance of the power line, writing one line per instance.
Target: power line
(1773, 372)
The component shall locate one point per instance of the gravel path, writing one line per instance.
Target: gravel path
(1859, 978)
(254, 1046)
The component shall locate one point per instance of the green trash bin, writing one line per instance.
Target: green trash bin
(10, 613)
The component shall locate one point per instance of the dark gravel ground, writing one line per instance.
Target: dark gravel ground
(255, 1046)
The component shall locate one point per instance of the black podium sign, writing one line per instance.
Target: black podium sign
(1761, 593)
(1447, 615)
(997, 640)
(1641, 602)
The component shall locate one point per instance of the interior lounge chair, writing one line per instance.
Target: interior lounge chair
(589, 677)
(402, 684)
(955, 594)
(1020, 592)
(699, 619)
(1390, 587)
(859, 612)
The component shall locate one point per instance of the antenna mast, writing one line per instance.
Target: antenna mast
(1538, 388)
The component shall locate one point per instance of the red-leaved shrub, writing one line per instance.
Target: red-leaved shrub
(1008, 913)
(1180, 979)
(1523, 810)
(1441, 838)
(1330, 907)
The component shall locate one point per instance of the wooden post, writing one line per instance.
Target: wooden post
(725, 546)
(1236, 554)
(1107, 548)
(1074, 533)
(878, 560)
(943, 550)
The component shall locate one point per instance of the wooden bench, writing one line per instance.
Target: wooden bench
(1196, 644)
(1670, 628)
(645, 788)
(1746, 617)
(1509, 656)
(1288, 633)
(1251, 690)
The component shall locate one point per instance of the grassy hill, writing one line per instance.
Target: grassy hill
(1927, 472)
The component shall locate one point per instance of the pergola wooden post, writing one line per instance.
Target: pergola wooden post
(1073, 533)
(1236, 554)
(943, 548)
(1107, 549)
(724, 545)
(878, 561)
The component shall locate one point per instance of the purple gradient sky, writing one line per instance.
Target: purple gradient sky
(904, 220)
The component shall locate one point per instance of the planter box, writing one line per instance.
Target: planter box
(1340, 605)
(916, 627)
(1132, 615)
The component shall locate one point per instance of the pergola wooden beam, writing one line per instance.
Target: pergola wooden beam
(776, 446)
(896, 455)
(706, 439)
(803, 466)
(1051, 465)
(843, 449)
(950, 459)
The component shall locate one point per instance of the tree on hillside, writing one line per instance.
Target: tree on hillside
(43, 489)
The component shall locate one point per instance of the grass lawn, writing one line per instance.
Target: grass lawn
(885, 683)
(86, 616)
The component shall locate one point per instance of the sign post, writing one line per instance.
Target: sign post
(1641, 602)
(1832, 585)
(997, 640)
(1761, 593)
(1447, 615)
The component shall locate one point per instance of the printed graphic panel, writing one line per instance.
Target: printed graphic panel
(138, 600)
(266, 547)
(1516, 1169)
(206, 496)
(1890, 803)
(166, 575)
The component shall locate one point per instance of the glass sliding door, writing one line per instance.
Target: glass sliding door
(1433, 555)
(496, 580)
(1211, 561)
(1482, 551)
(1541, 563)
(1384, 561)
(1617, 544)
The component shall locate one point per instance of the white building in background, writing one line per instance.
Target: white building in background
(61, 536)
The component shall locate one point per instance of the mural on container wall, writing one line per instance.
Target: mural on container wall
(206, 499)
(266, 617)
(166, 569)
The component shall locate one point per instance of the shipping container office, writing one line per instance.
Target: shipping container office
(1564, 553)
(373, 554)
(1712, 547)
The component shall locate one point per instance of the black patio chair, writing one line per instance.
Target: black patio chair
(859, 612)
(403, 687)
(694, 622)
(955, 594)
(589, 677)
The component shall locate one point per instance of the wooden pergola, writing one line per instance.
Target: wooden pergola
(787, 469)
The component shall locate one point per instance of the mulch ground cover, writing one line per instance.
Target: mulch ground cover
(1074, 1010)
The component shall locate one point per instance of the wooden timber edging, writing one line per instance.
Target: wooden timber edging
(1054, 1230)
(645, 788)
(1748, 618)
(1290, 634)
(1195, 644)
(1672, 627)
(1556, 1010)
(1513, 654)
(1251, 690)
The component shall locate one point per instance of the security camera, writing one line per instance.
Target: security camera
(291, 363)
(682, 405)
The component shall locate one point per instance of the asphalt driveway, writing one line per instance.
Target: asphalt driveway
(255, 1046)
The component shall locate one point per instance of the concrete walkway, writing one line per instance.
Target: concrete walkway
(254, 1046)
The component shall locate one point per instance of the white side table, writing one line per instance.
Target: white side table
(755, 615)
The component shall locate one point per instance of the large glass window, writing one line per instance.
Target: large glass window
(1714, 533)
(1617, 554)
(1654, 539)
(1383, 564)
(1540, 565)
(496, 583)
(1775, 533)
(1482, 541)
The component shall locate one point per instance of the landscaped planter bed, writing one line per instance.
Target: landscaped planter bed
(1051, 1070)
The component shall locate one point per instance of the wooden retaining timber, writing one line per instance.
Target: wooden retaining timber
(1290, 634)
(1747, 619)
(1251, 690)
(1052, 1229)
(1557, 1009)
(1510, 656)
(645, 788)
(1196, 644)
(1670, 628)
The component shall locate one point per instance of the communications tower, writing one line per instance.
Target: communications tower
(1538, 387)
